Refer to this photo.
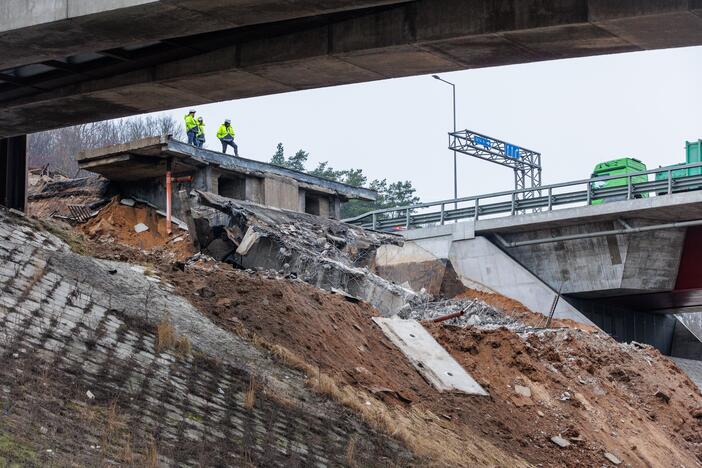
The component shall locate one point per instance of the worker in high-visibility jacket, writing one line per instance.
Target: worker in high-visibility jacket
(200, 135)
(226, 136)
(191, 126)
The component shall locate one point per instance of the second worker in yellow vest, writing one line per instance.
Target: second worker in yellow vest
(200, 135)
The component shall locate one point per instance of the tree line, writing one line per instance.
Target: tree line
(58, 148)
(390, 194)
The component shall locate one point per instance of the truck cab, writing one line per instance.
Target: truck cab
(616, 167)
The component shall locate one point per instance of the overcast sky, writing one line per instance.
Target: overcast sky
(576, 112)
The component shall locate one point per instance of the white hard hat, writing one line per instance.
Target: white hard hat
(199, 119)
(191, 111)
(227, 121)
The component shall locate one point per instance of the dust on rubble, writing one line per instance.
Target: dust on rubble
(515, 309)
(600, 396)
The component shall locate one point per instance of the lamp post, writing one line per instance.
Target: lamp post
(455, 169)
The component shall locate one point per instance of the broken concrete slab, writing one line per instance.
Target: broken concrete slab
(612, 458)
(323, 252)
(141, 227)
(430, 359)
(250, 238)
(560, 441)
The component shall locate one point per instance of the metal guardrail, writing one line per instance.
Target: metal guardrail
(544, 197)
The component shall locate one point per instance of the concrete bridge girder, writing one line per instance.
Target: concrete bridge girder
(603, 266)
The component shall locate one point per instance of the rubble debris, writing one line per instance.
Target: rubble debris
(140, 227)
(50, 196)
(663, 396)
(522, 390)
(322, 252)
(476, 313)
(428, 357)
(127, 201)
(612, 458)
(560, 441)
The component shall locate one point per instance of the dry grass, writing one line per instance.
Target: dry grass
(419, 430)
(166, 336)
(152, 455)
(168, 339)
(127, 453)
(351, 452)
(250, 397)
(183, 346)
(36, 277)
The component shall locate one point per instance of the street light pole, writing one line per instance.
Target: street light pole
(455, 167)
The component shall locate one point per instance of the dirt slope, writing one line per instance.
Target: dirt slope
(602, 396)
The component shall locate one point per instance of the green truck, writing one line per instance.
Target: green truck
(693, 154)
(616, 167)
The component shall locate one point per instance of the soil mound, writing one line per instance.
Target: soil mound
(124, 225)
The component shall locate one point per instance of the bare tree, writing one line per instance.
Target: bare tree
(58, 148)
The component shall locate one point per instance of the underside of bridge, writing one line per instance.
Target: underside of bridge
(644, 286)
(73, 61)
(67, 62)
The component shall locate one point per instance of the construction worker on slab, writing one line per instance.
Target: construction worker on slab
(191, 126)
(226, 136)
(200, 135)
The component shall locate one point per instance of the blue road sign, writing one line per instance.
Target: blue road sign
(512, 151)
(482, 141)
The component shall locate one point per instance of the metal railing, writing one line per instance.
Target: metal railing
(546, 197)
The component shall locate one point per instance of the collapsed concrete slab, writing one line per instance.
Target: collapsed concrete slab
(429, 358)
(323, 252)
(139, 169)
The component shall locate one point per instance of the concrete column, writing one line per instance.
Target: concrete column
(301, 205)
(13, 172)
(324, 208)
(206, 179)
(335, 208)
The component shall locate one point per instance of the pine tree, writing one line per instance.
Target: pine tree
(279, 156)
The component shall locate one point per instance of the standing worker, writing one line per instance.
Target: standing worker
(200, 135)
(226, 136)
(191, 126)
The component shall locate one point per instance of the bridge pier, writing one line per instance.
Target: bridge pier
(13, 172)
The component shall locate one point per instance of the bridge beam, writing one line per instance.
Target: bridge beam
(13, 172)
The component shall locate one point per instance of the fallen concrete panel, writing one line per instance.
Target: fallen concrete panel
(322, 252)
(428, 357)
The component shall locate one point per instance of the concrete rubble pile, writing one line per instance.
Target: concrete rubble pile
(323, 252)
(51, 195)
(477, 314)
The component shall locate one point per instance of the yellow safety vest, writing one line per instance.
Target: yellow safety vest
(190, 122)
(224, 131)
